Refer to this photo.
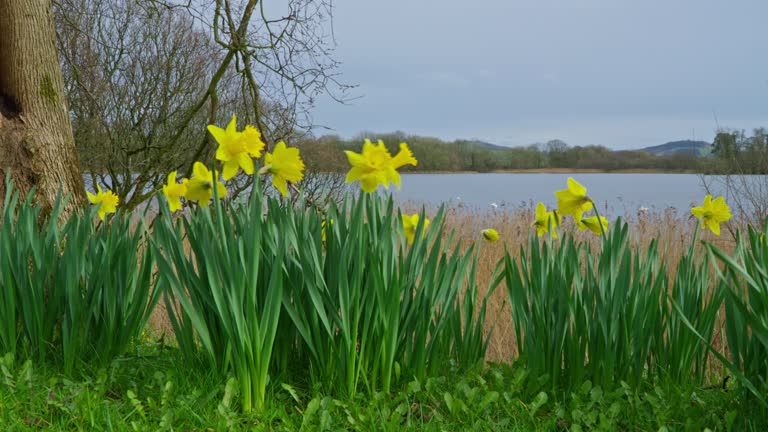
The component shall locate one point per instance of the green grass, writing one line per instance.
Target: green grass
(147, 391)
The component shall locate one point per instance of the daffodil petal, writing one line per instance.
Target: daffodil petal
(281, 185)
(576, 188)
(232, 125)
(246, 163)
(201, 171)
(370, 182)
(222, 154)
(404, 157)
(393, 176)
(355, 173)
(231, 167)
(218, 133)
(714, 226)
(355, 159)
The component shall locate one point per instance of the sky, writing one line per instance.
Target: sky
(619, 73)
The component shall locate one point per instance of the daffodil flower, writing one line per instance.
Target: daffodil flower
(375, 165)
(236, 149)
(322, 228)
(712, 213)
(106, 200)
(409, 226)
(200, 186)
(592, 224)
(174, 192)
(545, 219)
(490, 234)
(573, 200)
(285, 165)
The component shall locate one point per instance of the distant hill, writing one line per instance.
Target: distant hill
(696, 148)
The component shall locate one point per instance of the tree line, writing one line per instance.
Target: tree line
(733, 152)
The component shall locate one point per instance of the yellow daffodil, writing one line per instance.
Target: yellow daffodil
(490, 234)
(712, 213)
(592, 224)
(546, 219)
(236, 149)
(200, 186)
(322, 228)
(409, 225)
(573, 200)
(375, 165)
(106, 200)
(285, 165)
(174, 192)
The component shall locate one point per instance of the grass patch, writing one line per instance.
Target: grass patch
(146, 391)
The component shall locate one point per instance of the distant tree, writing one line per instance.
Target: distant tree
(557, 151)
(754, 152)
(541, 158)
(726, 145)
(464, 150)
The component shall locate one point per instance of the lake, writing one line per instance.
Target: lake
(618, 193)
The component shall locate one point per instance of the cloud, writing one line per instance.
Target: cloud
(516, 72)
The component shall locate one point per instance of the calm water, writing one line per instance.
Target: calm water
(620, 193)
(617, 193)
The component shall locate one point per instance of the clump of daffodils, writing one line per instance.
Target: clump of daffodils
(573, 201)
(375, 166)
(236, 151)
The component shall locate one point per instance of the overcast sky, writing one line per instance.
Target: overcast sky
(619, 73)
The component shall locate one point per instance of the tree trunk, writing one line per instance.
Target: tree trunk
(36, 141)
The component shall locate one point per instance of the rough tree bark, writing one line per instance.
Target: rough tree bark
(36, 141)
